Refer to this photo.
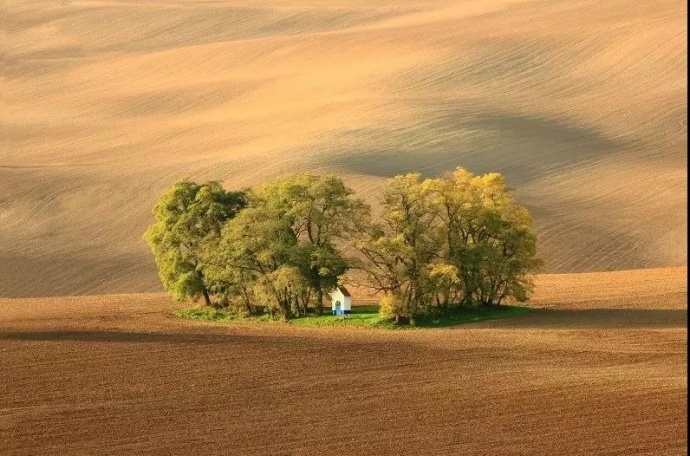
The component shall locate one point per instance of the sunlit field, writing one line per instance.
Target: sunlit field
(582, 106)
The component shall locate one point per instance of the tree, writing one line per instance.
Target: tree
(456, 206)
(259, 245)
(188, 217)
(285, 242)
(393, 307)
(445, 243)
(438, 245)
(486, 235)
(233, 286)
(321, 212)
(399, 248)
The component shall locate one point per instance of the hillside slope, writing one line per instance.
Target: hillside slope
(582, 105)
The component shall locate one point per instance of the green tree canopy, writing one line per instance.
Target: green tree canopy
(321, 212)
(188, 217)
(437, 245)
(286, 241)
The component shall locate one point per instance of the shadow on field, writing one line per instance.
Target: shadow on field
(505, 142)
(539, 319)
(132, 337)
(599, 318)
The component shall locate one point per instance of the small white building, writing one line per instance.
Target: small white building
(341, 301)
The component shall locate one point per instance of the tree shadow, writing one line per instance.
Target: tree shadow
(522, 147)
(133, 337)
(599, 318)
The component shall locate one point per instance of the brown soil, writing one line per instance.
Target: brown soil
(600, 368)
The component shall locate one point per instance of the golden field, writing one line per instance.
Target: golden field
(581, 105)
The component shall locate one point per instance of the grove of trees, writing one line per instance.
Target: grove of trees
(434, 246)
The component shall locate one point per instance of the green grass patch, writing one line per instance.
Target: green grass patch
(361, 316)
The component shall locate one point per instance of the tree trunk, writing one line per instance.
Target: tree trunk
(319, 301)
(285, 310)
(248, 306)
(207, 298)
(247, 300)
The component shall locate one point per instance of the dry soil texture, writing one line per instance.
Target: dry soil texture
(105, 103)
(600, 368)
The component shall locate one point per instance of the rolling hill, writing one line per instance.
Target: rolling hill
(581, 105)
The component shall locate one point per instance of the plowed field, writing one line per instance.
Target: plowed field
(599, 368)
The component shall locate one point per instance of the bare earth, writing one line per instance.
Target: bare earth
(600, 368)
(105, 103)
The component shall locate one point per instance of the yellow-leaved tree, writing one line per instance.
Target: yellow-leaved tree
(448, 243)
